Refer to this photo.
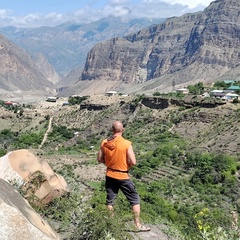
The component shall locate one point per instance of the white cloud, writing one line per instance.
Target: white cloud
(190, 3)
(116, 10)
(118, 2)
(4, 13)
(144, 8)
(157, 9)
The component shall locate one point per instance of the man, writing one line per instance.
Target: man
(118, 156)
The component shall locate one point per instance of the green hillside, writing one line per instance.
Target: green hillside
(187, 172)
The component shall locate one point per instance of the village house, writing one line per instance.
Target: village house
(224, 94)
(51, 99)
(182, 90)
(231, 96)
(111, 93)
(10, 103)
(234, 88)
(218, 93)
(229, 81)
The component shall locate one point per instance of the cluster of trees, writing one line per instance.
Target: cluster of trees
(14, 140)
(73, 100)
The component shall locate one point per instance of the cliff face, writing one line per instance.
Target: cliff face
(194, 47)
(20, 74)
(66, 46)
(214, 39)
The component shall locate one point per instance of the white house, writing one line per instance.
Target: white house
(182, 90)
(111, 93)
(51, 99)
(230, 96)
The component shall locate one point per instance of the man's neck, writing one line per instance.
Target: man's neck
(117, 134)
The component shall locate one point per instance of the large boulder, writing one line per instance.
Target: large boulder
(33, 176)
(18, 220)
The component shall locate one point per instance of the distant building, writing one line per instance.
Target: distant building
(230, 96)
(229, 81)
(182, 90)
(74, 96)
(10, 103)
(51, 99)
(234, 88)
(218, 93)
(65, 104)
(111, 93)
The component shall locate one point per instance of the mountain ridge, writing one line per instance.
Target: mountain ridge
(21, 75)
(196, 47)
(71, 41)
(192, 48)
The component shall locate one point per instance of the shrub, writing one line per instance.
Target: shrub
(73, 100)
(28, 139)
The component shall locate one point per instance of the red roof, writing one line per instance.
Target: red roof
(8, 103)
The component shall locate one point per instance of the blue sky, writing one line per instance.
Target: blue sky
(36, 13)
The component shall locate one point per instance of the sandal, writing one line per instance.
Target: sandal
(143, 228)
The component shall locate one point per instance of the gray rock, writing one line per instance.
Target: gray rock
(198, 47)
(18, 220)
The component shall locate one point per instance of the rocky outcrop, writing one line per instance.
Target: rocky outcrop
(18, 220)
(155, 102)
(34, 177)
(94, 107)
(194, 47)
(187, 102)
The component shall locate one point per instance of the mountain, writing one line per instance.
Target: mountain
(21, 76)
(66, 46)
(198, 47)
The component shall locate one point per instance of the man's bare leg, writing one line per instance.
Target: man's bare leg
(139, 226)
(136, 212)
(111, 210)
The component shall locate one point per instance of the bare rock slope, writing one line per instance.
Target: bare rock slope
(203, 46)
(21, 76)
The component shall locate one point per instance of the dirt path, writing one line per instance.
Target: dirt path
(46, 133)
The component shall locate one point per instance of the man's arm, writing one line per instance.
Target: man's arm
(100, 156)
(131, 156)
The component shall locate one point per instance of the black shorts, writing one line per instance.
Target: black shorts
(126, 186)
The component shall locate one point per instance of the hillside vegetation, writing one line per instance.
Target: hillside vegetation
(187, 173)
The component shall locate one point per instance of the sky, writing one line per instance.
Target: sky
(37, 13)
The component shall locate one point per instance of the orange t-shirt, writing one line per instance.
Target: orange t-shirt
(115, 155)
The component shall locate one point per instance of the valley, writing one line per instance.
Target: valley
(166, 138)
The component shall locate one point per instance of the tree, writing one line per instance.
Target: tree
(196, 89)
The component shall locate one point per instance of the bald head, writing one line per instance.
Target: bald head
(117, 127)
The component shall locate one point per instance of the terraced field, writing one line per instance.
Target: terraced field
(166, 171)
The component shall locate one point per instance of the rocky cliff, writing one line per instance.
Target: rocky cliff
(194, 47)
(21, 76)
(66, 46)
